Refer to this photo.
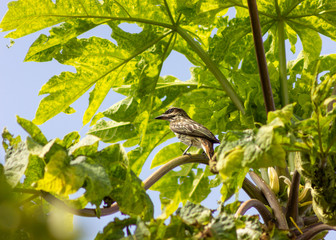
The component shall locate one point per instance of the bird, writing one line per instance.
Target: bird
(189, 132)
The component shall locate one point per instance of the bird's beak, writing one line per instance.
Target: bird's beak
(163, 117)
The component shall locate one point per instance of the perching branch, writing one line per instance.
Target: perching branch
(249, 188)
(199, 158)
(272, 200)
(265, 214)
(91, 212)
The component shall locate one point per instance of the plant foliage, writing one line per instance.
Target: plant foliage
(224, 94)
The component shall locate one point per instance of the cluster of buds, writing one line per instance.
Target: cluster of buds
(275, 186)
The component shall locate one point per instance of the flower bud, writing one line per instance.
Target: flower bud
(273, 180)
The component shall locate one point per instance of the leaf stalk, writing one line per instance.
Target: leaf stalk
(212, 67)
(282, 64)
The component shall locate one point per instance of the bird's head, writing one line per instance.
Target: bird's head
(173, 114)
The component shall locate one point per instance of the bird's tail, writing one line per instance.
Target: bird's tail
(209, 151)
(208, 148)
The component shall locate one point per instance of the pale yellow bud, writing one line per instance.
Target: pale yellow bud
(273, 179)
(288, 182)
(303, 193)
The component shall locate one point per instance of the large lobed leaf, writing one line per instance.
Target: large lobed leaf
(62, 167)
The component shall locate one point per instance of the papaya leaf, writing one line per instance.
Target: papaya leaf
(16, 162)
(32, 130)
(182, 186)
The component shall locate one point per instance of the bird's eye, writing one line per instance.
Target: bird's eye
(169, 111)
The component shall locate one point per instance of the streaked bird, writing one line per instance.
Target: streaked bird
(189, 132)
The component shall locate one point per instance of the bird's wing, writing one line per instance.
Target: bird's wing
(192, 128)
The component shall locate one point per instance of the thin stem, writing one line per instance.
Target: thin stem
(212, 67)
(314, 231)
(282, 64)
(310, 220)
(295, 148)
(265, 214)
(319, 134)
(126, 19)
(290, 9)
(32, 197)
(292, 209)
(253, 191)
(239, 4)
(169, 12)
(261, 58)
(272, 200)
(298, 232)
(24, 190)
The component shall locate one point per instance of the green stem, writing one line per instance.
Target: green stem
(282, 64)
(320, 135)
(169, 12)
(212, 67)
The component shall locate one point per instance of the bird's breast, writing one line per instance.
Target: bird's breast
(188, 140)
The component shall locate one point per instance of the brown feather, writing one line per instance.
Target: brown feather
(191, 128)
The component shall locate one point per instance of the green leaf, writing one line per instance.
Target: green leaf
(126, 189)
(97, 183)
(47, 47)
(194, 214)
(224, 227)
(8, 140)
(112, 131)
(59, 176)
(230, 185)
(16, 162)
(311, 43)
(85, 147)
(111, 157)
(285, 114)
(64, 89)
(182, 186)
(34, 171)
(123, 111)
(322, 91)
(139, 203)
(70, 139)
(233, 162)
(114, 230)
(32, 130)
(156, 133)
(167, 153)
(69, 110)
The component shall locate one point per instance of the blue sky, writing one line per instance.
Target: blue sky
(21, 82)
